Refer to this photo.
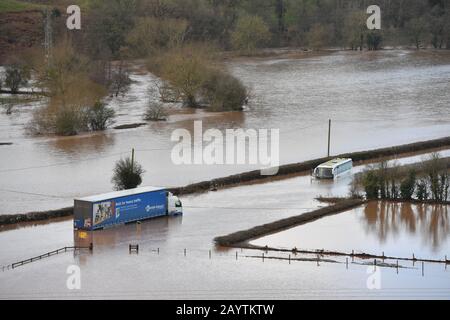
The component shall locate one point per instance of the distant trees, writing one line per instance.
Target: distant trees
(147, 27)
(151, 34)
(374, 40)
(318, 37)
(417, 29)
(111, 22)
(250, 33)
(355, 29)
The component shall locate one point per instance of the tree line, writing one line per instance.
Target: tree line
(429, 180)
(246, 25)
(180, 41)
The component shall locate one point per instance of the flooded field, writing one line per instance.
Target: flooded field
(375, 99)
(397, 229)
(111, 272)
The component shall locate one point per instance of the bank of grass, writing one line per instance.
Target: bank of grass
(17, 6)
(242, 237)
(35, 216)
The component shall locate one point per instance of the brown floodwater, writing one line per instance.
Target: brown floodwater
(111, 272)
(397, 229)
(375, 99)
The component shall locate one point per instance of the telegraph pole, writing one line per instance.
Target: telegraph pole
(132, 159)
(329, 138)
(48, 41)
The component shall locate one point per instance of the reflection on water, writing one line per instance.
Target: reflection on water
(389, 221)
(86, 144)
(155, 231)
(397, 229)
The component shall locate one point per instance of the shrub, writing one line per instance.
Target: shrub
(186, 70)
(127, 174)
(155, 112)
(8, 104)
(224, 92)
(69, 121)
(100, 116)
(190, 77)
(16, 76)
(120, 82)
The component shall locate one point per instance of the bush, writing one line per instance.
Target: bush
(186, 69)
(100, 116)
(120, 82)
(69, 121)
(16, 76)
(8, 104)
(155, 112)
(194, 80)
(224, 92)
(127, 174)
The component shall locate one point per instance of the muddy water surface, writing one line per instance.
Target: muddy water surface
(111, 272)
(375, 100)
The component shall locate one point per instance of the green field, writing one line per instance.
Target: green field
(14, 6)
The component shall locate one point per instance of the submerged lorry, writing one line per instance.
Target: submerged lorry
(122, 207)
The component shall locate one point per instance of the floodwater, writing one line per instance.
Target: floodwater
(375, 100)
(397, 229)
(111, 272)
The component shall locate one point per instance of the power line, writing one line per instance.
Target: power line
(35, 194)
(78, 161)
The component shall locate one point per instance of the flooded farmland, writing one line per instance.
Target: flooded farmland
(196, 275)
(375, 99)
(395, 229)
